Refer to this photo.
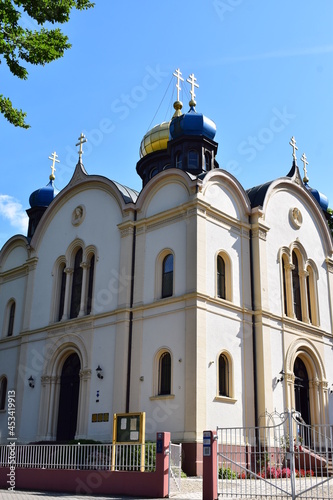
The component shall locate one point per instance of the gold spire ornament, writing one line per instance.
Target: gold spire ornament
(305, 163)
(295, 148)
(54, 160)
(82, 139)
(178, 104)
(192, 81)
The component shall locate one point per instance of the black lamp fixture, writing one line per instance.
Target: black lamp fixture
(281, 378)
(31, 382)
(99, 372)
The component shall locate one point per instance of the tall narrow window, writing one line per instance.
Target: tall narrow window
(223, 375)
(3, 393)
(167, 276)
(284, 278)
(164, 374)
(62, 278)
(221, 290)
(193, 159)
(76, 285)
(296, 288)
(308, 292)
(179, 160)
(10, 328)
(90, 284)
(206, 166)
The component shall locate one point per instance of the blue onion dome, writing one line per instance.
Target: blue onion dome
(155, 139)
(320, 197)
(192, 123)
(42, 197)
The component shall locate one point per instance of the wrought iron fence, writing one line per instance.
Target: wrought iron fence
(286, 460)
(129, 457)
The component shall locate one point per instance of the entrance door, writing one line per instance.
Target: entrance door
(302, 390)
(69, 398)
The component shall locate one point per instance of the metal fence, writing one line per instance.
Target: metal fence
(175, 467)
(125, 457)
(286, 460)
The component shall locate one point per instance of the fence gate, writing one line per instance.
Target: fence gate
(288, 459)
(175, 467)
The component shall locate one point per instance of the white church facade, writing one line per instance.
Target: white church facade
(195, 301)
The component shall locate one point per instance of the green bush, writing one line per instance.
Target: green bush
(227, 473)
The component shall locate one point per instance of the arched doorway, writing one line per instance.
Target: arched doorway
(301, 385)
(69, 398)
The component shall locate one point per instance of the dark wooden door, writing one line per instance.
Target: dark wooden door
(69, 398)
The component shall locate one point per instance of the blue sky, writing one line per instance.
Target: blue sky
(265, 74)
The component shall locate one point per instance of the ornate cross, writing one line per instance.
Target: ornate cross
(177, 74)
(82, 139)
(293, 145)
(54, 160)
(305, 163)
(191, 79)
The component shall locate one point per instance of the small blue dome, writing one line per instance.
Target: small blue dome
(320, 197)
(192, 123)
(42, 197)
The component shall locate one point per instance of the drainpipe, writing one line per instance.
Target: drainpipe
(130, 332)
(254, 343)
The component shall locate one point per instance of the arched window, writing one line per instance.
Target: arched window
(153, 172)
(90, 283)
(76, 285)
(3, 393)
(311, 292)
(284, 280)
(296, 288)
(167, 276)
(206, 166)
(11, 318)
(179, 160)
(62, 280)
(193, 160)
(221, 288)
(164, 374)
(224, 376)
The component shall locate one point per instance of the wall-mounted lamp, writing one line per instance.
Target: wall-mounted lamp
(331, 389)
(142, 378)
(99, 372)
(281, 378)
(31, 382)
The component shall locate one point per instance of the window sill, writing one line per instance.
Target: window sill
(3, 410)
(162, 396)
(225, 399)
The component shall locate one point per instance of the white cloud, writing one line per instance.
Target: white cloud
(13, 211)
(308, 51)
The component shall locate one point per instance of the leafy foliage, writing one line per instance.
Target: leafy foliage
(39, 46)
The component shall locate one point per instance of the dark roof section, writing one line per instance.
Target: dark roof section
(128, 194)
(257, 194)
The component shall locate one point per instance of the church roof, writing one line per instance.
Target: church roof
(257, 194)
(129, 195)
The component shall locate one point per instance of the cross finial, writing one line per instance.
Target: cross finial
(82, 139)
(305, 163)
(295, 148)
(54, 160)
(192, 80)
(178, 74)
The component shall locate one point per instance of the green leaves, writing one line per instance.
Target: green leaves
(41, 46)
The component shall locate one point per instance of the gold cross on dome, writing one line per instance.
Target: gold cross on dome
(177, 74)
(293, 145)
(305, 163)
(54, 160)
(192, 80)
(82, 139)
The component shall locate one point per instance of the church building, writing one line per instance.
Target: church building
(196, 301)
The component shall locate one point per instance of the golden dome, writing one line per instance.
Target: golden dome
(155, 139)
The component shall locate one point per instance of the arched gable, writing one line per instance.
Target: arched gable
(223, 191)
(288, 185)
(165, 191)
(14, 253)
